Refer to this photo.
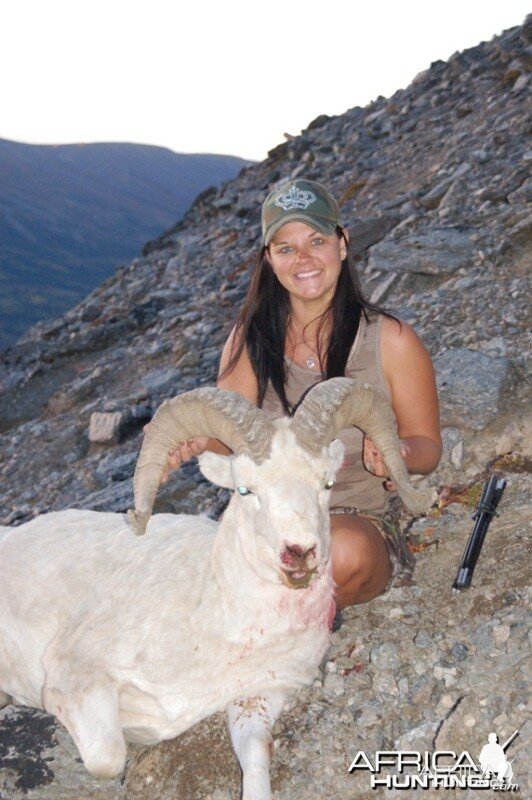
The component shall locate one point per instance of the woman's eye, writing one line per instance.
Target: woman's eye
(317, 241)
(285, 250)
(243, 490)
(329, 485)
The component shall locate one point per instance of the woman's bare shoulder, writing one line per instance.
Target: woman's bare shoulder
(400, 340)
(241, 378)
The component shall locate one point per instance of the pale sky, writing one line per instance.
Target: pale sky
(213, 76)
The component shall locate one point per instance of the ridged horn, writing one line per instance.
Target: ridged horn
(338, 403)
(212, 412)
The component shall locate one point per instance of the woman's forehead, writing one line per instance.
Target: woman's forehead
(294, 229)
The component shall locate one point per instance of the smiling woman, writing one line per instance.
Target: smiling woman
(304, 320)
(307, 265)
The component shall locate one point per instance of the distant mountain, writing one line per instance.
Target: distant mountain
(70, 214)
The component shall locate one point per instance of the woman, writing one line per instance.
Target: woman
(305, 320)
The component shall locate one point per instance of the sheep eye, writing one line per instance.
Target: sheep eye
(329, 485)
(242, 490)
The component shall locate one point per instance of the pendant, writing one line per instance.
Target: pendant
(311, 362)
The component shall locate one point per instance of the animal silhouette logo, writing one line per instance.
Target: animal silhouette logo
(493, 759)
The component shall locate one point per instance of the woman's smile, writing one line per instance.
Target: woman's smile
(308, 274)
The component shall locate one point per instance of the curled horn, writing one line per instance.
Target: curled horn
(340, 402)
(212, 412)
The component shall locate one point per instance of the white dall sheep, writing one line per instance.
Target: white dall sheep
(140, 637)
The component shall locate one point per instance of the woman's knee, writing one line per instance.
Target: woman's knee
(351, 552)
(361, 563)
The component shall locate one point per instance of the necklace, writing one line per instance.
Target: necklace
(312, 360)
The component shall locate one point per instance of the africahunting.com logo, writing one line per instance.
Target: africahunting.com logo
(445, 769)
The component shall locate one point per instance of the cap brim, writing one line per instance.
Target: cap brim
(319, 224)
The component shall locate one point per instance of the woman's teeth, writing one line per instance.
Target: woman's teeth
(309, 274)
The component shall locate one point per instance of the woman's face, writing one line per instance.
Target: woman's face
(307, 263)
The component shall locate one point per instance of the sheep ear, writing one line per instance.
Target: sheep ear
(217, 469)
(336, 452)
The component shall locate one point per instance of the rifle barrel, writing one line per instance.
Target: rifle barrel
(510, 740)
(489, 499)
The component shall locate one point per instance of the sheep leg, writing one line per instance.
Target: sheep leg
(250, 722)
(90, 713)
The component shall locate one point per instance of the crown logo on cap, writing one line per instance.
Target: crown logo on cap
(295, 198)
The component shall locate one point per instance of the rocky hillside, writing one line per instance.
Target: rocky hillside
(70, 214)
(434, 185)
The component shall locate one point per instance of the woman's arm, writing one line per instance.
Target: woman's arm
(409, 373)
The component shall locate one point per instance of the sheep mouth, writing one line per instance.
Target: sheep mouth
(297, 579)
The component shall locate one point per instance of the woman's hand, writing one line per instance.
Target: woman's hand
(374, 463)
(184, 451)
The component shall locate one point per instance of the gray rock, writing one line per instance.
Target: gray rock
(383, 289)
(422, 639)
(27, 398)
(440, 251)
(162, 381)
(459, 651)
(333, 685)
(520, 84)
(481, 155)
(520, 234)
(117, 467)
(457, 455)
(472, 386)
(384, 686)
(385, 656)
(366, 232)
(433, 198)
(105, 426)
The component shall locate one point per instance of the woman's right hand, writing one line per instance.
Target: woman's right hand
(184, 451)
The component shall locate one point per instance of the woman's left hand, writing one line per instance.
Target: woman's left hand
(374, 463)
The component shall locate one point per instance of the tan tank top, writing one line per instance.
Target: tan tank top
(354, 486)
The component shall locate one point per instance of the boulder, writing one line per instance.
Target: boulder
(440, 252)
(472, 386)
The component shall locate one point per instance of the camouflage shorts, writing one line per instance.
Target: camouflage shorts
(387, 522)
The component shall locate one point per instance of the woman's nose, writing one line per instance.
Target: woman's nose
(302, 253)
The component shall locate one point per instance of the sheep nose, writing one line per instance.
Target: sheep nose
(294, 555)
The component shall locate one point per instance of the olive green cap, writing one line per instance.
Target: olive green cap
(302, 201)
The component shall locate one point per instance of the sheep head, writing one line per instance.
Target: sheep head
(279, 512)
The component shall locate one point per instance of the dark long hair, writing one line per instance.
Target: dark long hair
(263, 320)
